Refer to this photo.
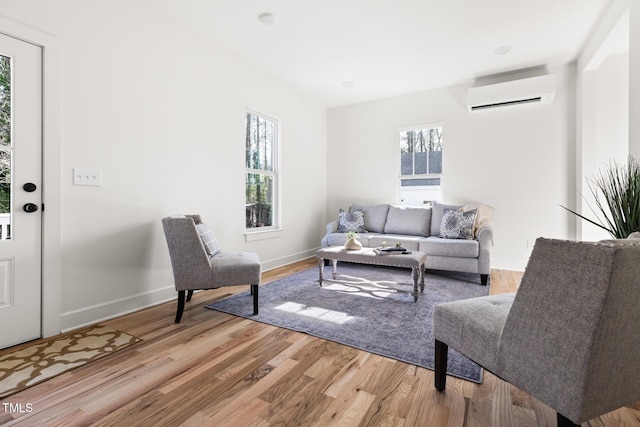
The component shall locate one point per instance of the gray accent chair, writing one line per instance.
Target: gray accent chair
(569, 335)
(199, 263)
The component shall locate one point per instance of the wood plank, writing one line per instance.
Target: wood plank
(215, 369)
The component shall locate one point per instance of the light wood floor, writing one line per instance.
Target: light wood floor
(214, 369)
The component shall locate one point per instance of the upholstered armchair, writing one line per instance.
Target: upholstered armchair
(569, 335)
(199, 263)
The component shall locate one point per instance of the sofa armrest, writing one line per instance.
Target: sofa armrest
(484, 236)
(332, 227)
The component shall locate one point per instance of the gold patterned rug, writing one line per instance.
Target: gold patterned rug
(32, 364)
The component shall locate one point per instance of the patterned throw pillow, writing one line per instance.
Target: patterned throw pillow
(208, 239)
(351, 221)
(457, 225)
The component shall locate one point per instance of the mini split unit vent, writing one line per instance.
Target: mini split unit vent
(540, 89)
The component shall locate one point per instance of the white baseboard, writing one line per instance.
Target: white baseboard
(91, 315)
(289, 259)
(100, 312)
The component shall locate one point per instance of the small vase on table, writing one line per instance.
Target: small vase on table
(352, 243)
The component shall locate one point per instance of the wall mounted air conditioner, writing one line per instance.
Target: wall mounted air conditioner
(541, 89)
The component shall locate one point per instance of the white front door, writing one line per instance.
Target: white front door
(20, 191)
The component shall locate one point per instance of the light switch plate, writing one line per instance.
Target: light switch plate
(83, 176)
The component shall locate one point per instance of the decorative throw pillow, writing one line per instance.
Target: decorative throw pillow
(351, 221)
(437, 210)
(457, 225)
(208, 239)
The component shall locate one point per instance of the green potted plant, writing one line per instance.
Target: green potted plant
(352, 242)
(616, 191)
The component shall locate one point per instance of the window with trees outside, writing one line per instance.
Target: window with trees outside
(261, 171)
(5, 146)
(420, 165)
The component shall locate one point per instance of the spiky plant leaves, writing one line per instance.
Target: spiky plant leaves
(616, 191)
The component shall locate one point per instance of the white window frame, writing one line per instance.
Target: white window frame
(273, 230)
(401, 177)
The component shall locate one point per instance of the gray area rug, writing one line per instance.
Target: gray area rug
(369, 309)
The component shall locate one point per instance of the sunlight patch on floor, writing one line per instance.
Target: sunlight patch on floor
(315, 312)
(362, 291)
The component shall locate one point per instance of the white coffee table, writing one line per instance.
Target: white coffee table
(414, 260)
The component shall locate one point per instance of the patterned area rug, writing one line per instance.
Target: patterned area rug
(39, 362)
(369, 309)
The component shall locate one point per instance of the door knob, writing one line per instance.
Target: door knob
(30, 207)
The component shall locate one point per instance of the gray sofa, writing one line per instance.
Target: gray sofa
(418, 229)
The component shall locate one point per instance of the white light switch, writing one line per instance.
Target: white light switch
(82, 176)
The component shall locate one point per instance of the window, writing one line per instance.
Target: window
(261, 175)
(420, 164)
(5, 147)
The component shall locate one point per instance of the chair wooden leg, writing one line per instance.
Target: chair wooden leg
(189, 295)
(442, 353)
(180, 306)
(254, 292)
(565, 422)
(483, 279)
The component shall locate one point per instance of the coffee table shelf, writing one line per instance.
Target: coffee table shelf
(415, 260)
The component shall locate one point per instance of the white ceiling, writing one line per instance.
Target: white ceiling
(390, 47)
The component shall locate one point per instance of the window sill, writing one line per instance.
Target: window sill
(252, 236)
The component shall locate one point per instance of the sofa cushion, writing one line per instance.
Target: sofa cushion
(436, 216)
(375, 217)
(351, 221)
(459, 248)
(473, 325)
(413, 221)
(457, 225)
(208, 239)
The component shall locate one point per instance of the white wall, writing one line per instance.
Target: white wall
(604, 97)
(634, 77)
(605, 131)
(610, 125)
(160, 112)
(612, 109)
(519, 160)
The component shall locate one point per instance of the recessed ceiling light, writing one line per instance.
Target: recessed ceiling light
(268, 18)
(347, 85)
(502, 50)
